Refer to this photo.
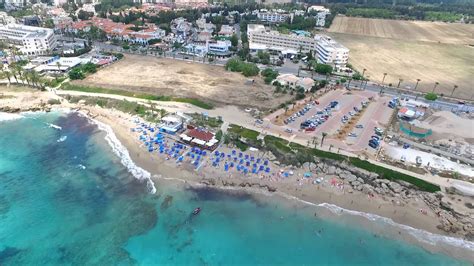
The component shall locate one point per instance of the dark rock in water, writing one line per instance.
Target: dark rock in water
(7, 253)
(166, 202)
(215, 194)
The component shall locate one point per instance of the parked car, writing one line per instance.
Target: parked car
(359, 126)
(352, 134)
(288, 130)
(373, 145)
(378, 130)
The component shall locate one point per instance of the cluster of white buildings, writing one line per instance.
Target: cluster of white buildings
(327, 50)
(273, 17)
(29, 40)
(321, 14)
(218, 48)
(293, 81)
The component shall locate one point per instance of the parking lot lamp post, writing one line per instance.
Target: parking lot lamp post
(366, 81)
(381, 88)
(454, 88)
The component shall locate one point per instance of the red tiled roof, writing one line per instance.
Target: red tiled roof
(200, 134)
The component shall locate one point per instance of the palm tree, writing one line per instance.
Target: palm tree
(417, 81)
(19, 70)
(324, 136)
(8, 75)
(14, 73)
(362, 79)
(27, 76)
(399, 81)
(35, 79)
(434, 87)
(383, 79)
(454, 88)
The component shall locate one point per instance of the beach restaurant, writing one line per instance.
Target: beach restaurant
(171, 124)
(200, 137)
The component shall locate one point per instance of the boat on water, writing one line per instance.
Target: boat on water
(197, 211)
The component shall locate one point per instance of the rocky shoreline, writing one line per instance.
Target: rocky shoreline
(451, 220)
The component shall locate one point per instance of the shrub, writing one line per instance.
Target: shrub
(237, 65)
(431, 96)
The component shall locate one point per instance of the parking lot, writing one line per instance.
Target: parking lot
(378, 115)
(328, 120)
(357, 124)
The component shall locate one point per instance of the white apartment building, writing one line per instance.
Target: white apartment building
(30, 40)
(14, 4)
(331, 52)
(219, 48)
(261, 39)
(321, 19)
(273, 17)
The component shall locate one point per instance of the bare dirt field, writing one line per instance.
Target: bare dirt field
(448, 64)
(169, 77)
(454, 33)
(411, 50)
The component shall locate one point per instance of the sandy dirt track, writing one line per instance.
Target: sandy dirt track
(448, 64)
(169, 77)
(454, 33)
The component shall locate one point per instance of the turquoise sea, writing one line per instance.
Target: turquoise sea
(65, 198)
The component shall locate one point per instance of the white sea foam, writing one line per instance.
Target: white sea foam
(81, 166)
(122, 153)
(54, 126)
(62, 138)
(420, 235)
(9, 116)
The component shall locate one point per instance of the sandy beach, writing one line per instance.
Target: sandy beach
(294, 185)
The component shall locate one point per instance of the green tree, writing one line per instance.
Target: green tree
(234, 40)
(76, 73)
(322, 69)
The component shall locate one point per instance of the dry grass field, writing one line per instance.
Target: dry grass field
(439, 32)
(184, 79)
(410, 50)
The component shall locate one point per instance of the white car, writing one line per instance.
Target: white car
(378, 130)
(289, 130)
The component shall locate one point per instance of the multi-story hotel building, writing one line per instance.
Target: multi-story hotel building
(30, 40)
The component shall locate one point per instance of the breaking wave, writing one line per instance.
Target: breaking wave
(9, 116)
(122, 152)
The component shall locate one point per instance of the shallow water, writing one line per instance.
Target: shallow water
(73, 202)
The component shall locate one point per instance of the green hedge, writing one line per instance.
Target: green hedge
(196, 102)
(282, 146)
